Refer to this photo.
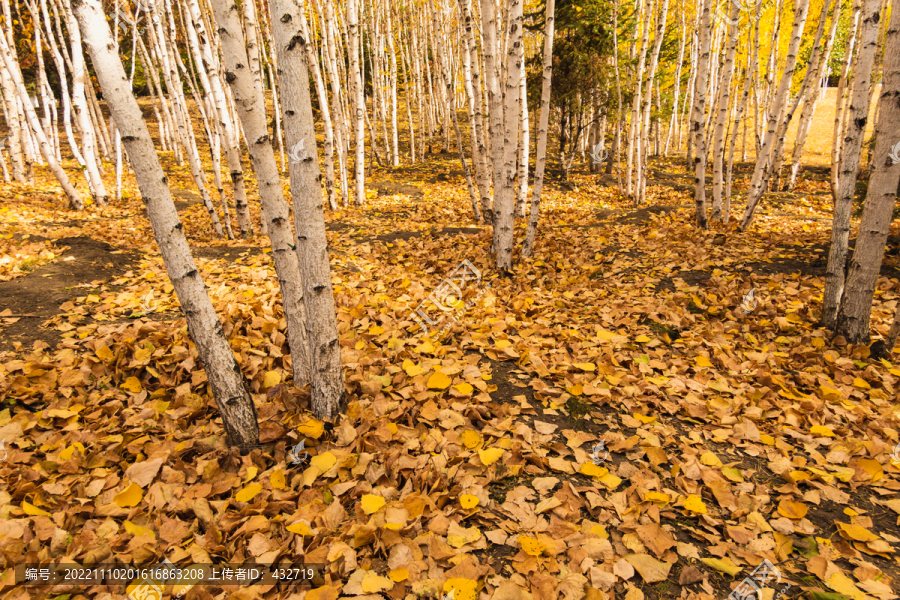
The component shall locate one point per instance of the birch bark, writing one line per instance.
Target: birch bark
(698, 113)
(326, 376)
(777, 113)
(543, 124)
(359, 103)
(15, 75)
(251, 110)
(851, 149)
(223, 373)
(881, 197)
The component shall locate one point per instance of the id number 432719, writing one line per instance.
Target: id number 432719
(293, 574)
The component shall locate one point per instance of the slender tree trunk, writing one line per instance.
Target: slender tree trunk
(359, 102)
(524, 139)
(722, 113)
(646, 101)
(328, 130)
(698, 113)
(504, 182)
(12, 68)
(634, 134)
(543, 123)
(495, 106)
(881, 197)
(446, 76)
(223, 373)
(841, 99)
(777, 113)
(326, 376)
(251, 111)
(857, 116)
(480, 157)
(673, 124)
(212, 73)
(812, 98)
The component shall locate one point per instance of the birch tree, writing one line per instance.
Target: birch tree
(543, 124)
(698, 112)
(326, 375)
(721, 116)
(851, 149)
(223, 373)
(359, 103)
(251, 110)
(777, 114)
(18, 87)
(881, 197)
(504, 180)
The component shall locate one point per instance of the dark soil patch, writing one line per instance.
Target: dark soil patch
(642, 215)
(405, 235)
(85, 265)
(226, 252)
(390, 188)
(185, 199)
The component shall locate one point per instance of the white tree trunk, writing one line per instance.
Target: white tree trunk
(646, 100)
(698, 113)
(223, 373)
(543, 124)
(857, 117)
(812, 98)
(524, 138)
(328, 130)
(840, 109)
(326, 376)
(12, 69)
(250, 106)
(359, 102)
(504, 207)
(718, 153)
(777, 113)
(881, 197)
(210, 74)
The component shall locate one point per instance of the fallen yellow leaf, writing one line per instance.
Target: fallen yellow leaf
(694, 504)
(438, 381)
(130, 496)
(248, 493)
(372, 503)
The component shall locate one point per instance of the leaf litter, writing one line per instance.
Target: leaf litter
(464, 465)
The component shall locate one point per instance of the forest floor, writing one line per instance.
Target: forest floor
(471, 463)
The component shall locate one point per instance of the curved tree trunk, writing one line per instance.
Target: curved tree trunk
(862, 276)
(851, 149)
(12, 68)
(251, 111)
(777, 112)
(223, 373)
